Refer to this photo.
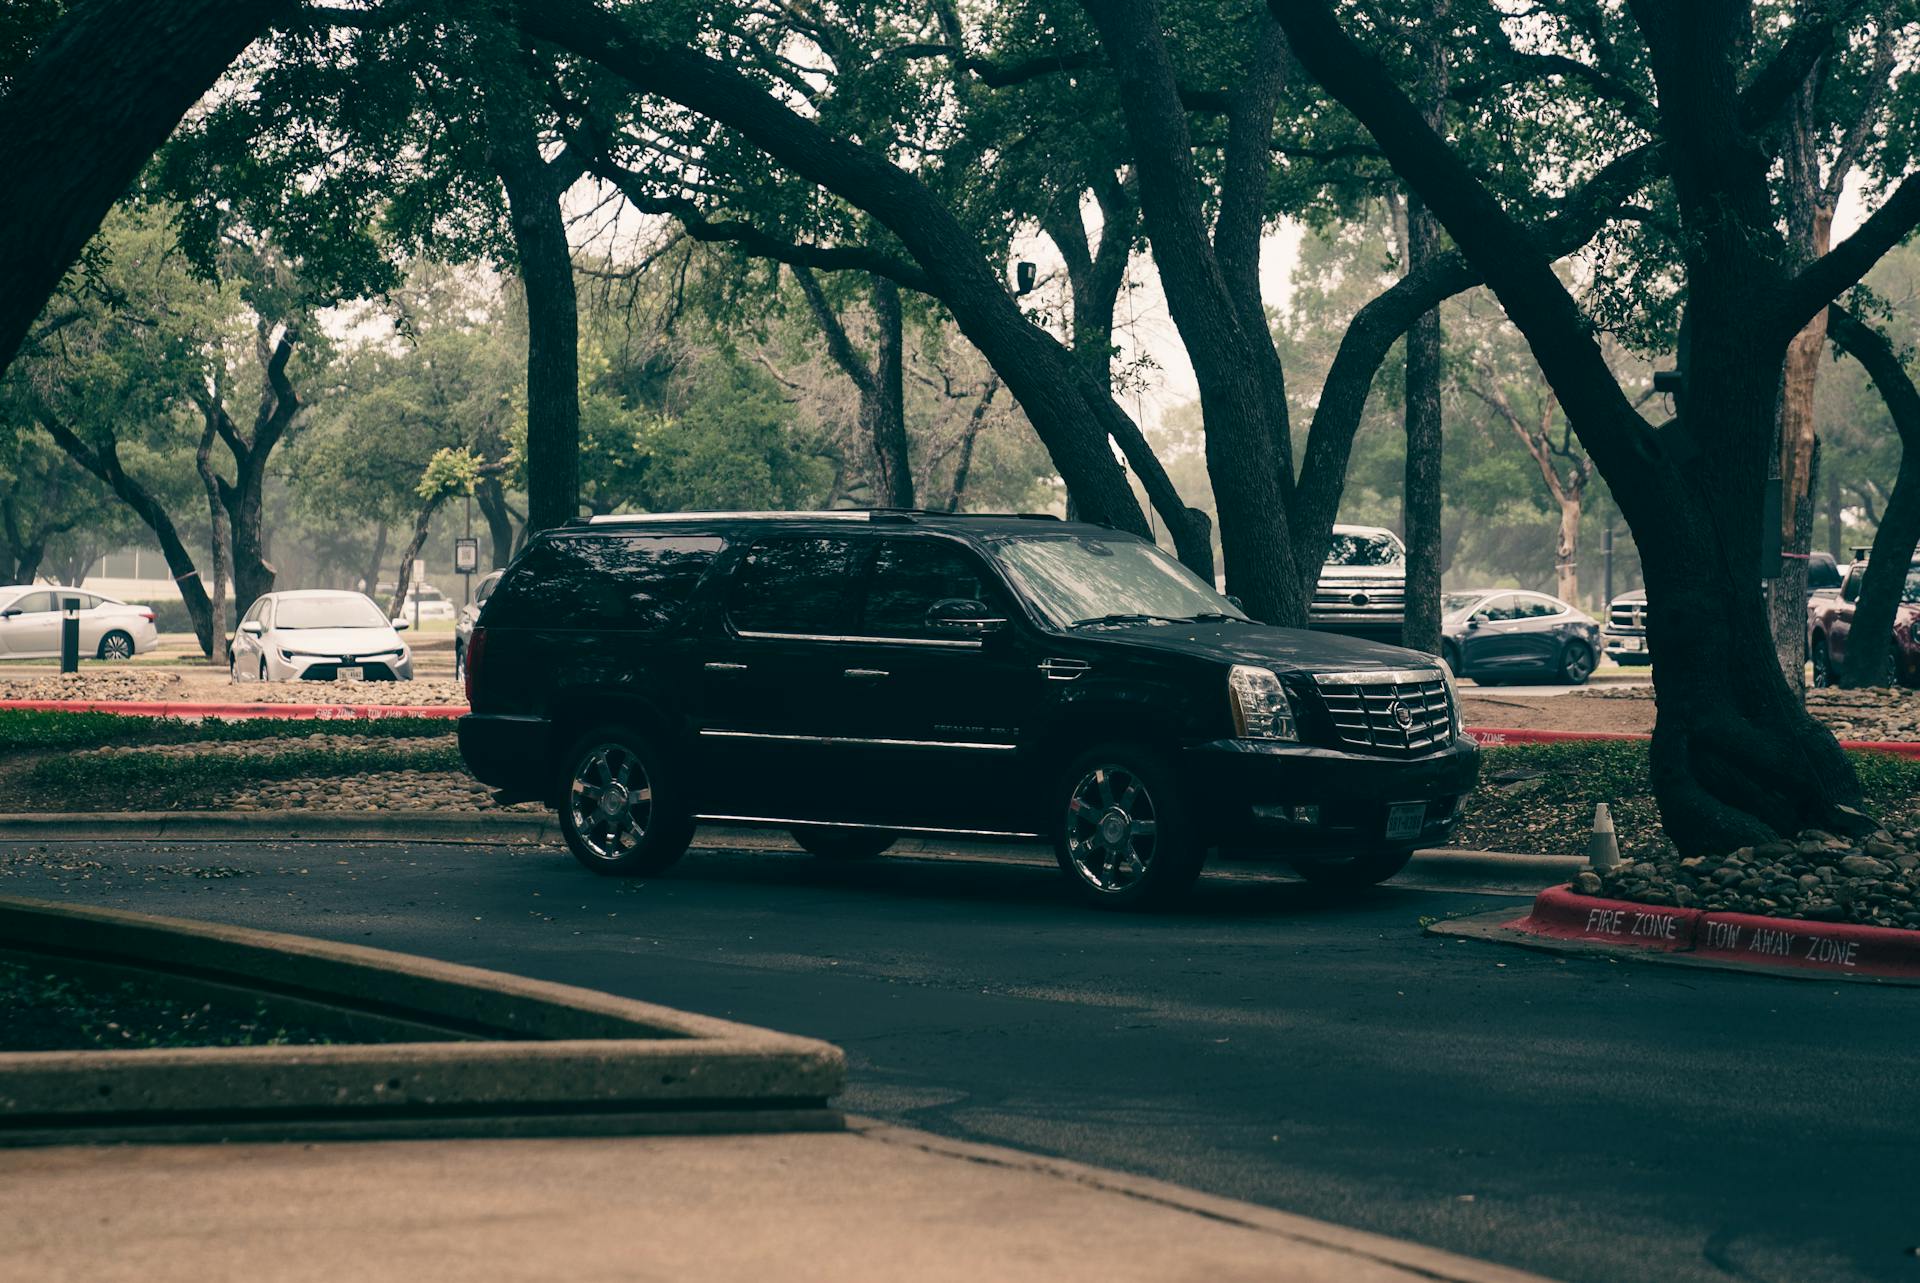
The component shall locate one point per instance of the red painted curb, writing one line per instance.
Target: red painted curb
(1838, 948)
(1494, 736)
(1563, 915)
(251, 708)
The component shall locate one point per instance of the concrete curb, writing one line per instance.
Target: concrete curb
(491, 827)
(514, 1056)
(235, 708)
(1499, 736)
(1561, 920)
(1428, 1262)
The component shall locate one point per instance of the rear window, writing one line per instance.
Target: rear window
(1365, 550)
(638, 582)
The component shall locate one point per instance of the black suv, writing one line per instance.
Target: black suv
(855, 676)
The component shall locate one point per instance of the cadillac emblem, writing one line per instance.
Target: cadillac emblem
(1402, 715)
(1359, 599)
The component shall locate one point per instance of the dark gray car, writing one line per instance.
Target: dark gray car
(1494, 635)
(463, 626)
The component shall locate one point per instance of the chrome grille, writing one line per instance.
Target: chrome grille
(1363, 708)
(1359, 597)
(1627, 617)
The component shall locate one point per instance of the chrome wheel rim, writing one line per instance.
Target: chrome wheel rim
(116, 647)
(1112, 828)
(610, 801)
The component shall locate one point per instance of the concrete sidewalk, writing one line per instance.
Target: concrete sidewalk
(875, 1203)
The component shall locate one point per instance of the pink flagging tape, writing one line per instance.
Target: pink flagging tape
(1839, 948)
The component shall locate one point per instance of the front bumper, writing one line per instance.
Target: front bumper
(1628, 648)
(326, 668)
(1251, 795)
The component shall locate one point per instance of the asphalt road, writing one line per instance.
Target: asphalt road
(1587, 1119)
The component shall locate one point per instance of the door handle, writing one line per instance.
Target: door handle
(726, 668)
(866, 673)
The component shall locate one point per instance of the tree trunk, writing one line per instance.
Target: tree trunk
(85, 113)
(371, 581)
(1566, 571)
(1869, 658)
(1422, 507)
(218, 541)
(489, 494)
(1836, 530)
(553, 316)
(886, 412)
(963, 466)
(104, 463)
(253, 574)
(403, 579)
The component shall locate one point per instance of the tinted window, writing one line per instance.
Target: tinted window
(1499, 608)
(255, 611)
(910, 575)
(795, 585)
(485, 590)
(33, 603)
(602, 581)
(1822, 571)
(1073, 579)
(1851, 590)
(1538, 608)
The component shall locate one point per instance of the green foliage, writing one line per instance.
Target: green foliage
(37, 730)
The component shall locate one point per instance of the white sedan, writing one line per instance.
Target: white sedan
(30, 624)
(318, 635)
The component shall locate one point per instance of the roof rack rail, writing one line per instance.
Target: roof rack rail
(883, 515)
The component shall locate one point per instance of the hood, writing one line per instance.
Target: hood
(1638, 597)
(1343, 574)
(336, 641)
(1281, 649)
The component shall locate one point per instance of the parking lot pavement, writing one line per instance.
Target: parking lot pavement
(1308, 1051)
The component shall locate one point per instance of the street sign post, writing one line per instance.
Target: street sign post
(419, 578)
(466, 556)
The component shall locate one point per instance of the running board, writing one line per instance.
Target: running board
(776, 822)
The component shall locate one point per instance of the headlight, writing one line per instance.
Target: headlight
(1261, 709)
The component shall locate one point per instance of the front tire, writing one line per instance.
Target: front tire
(1576, 663)
(831, 842)
(1369, 868)
(1125, 836)
(459, 663)
(623, 810)
(1822, 663)
(116, 646)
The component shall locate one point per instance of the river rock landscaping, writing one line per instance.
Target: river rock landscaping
(213, 686)
(1817, 877)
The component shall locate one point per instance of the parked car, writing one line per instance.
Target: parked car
(318, 635)
(1830, 621)
(1362, 591)
(1626, 632)
(855, 676)
(31, 614)
(469, 614)
(434, 605)
(1495, 634)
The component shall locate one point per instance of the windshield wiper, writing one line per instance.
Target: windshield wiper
(1130, 619)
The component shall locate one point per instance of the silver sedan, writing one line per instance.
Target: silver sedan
(318, 635)
(30, 617)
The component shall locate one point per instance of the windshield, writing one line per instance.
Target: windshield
(1455, 603)
(1074, 579)
(1365, 550)
(344, 611)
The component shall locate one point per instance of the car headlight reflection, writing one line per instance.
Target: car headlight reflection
(1261, 708)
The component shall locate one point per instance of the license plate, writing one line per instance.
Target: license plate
(1406, 819)
(1628, 643)
(351, 674)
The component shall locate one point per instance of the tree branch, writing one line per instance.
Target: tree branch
(1840, 268)
(839, 346)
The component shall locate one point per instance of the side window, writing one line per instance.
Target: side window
(1538, 607)
(1851, 592)
(254, 612)
(1501, 608)
(603, 581)
(34, 603)
(801, 584)
(910, 575)
(485, 590)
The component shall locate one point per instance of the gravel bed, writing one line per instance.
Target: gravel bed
(1817, 877)
(1881, 714)
(204, 687)
(377, 791)
(279, 744)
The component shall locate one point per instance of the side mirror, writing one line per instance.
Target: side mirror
(964, 616)
(1473, 622)
(9, 612)
(1235, 602)
(253, 628)
(229, 641)
(401, 625)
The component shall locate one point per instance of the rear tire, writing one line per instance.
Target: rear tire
(1576, 663)
(1124, 834)
(1369, 868)
(1822, 663)
(832, 842)
(623, 807)
(116, 645)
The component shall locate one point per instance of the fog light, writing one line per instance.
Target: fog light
(1288, 814)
